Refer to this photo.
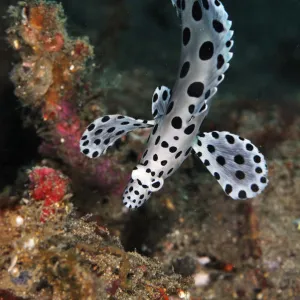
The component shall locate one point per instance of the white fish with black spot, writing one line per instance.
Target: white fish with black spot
(235, 162)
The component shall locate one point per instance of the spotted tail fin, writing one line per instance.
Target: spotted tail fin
(235, 162)
(206, 44)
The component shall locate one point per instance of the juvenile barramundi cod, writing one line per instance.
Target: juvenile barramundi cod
(235, 162)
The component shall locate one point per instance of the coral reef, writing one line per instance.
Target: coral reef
(50, 186)
(72, 258)
(51, 60)
(52, 77)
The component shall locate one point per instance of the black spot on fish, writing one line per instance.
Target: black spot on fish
(105, 119)
(154, 129)
(165, 95)
(157, 140)
(221, 160)
(173, 149)
(156, 184)
(228, 189)
(218, 26)
(240, 175)
(164, 144)
(211, 148)
(249, 147)
(206, 163)
(195, 89)
(99, 131)
(207, 94)
(263, 180)
(206, 51)
(164, 162)
(186, 36)
(215, 135)
(91, 127)
(170, 107)
(242, 194)
(197, 11)
(187, 152)
(229, 138)
(178, 154)
(258, 170)
(189, 129)
(110, 130)
(184, 69)
(176, 122)
(203, 107)
(205, 4)
(217, 175)
(254, 188)
(257, 159)
(170, 171)
(239, 159)
(221, 61)
(191, 109)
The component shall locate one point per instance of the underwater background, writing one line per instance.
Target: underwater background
(64, 231)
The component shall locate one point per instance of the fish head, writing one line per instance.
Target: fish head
(140, 187)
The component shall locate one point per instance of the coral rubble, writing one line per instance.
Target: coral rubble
(71, 258)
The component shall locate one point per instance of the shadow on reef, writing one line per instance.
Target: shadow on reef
(145, 228)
